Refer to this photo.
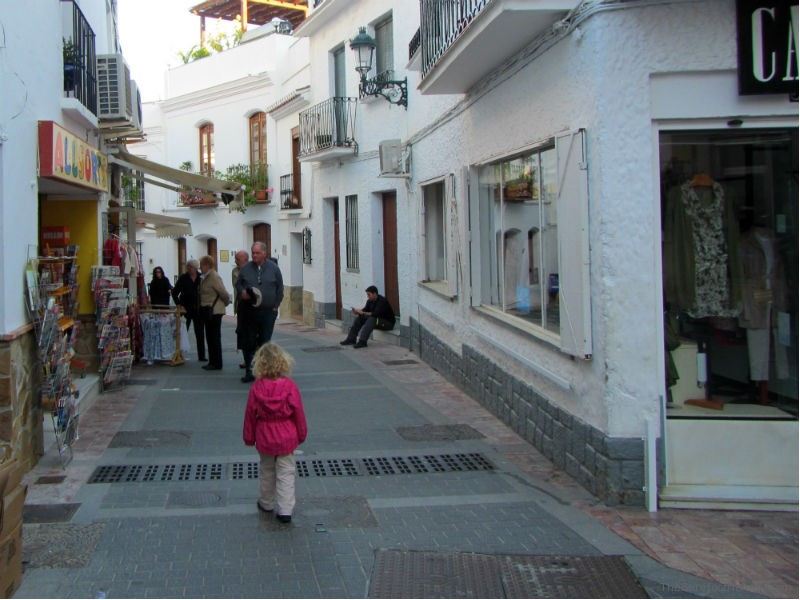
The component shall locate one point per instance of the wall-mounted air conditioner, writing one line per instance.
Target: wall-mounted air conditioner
(394, 160)
(136, 100)
(114, 99)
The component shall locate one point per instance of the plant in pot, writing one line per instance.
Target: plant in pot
(190, 196)
(240, 174)
(258, 177)
(71, 65)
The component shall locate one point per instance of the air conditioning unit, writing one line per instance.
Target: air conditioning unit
(136, 98)
(114, 100)
(394, 160)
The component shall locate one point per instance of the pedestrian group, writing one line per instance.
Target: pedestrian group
(274, 419)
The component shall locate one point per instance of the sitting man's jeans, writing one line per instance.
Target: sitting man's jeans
(362, 328)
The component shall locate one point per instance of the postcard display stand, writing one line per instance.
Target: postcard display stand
(52, 292)
(112, 302)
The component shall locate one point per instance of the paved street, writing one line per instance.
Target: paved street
(379, 476)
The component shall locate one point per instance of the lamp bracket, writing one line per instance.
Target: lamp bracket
(394, 90)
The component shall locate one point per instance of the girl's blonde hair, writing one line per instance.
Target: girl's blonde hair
(271, 362)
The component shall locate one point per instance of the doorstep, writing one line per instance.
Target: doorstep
(386, 337)
(729, 497)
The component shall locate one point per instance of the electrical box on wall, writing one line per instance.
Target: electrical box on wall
(394, 159)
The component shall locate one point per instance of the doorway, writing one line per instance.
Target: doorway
(392, 290)
(337, 263)
(181, 255)
(296, 200)
(211, 249)
(263, 233)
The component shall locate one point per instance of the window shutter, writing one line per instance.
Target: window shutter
(573, 245)
(472, 192)
(452, 231)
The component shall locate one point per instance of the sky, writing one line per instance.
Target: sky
(152, 32)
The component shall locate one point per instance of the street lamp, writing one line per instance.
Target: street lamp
(395, 91)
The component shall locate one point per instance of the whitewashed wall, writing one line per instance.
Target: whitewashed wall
(31, 89)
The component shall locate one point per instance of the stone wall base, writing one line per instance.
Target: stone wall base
(293, 298)
(610, 468)
(21, 432)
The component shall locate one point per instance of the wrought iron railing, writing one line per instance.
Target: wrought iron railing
(80, 59)
(288, 199)
(413, 45)
(329, 124)
(442, 23)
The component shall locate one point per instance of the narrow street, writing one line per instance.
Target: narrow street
(397, 460)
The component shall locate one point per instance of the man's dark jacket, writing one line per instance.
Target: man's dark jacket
(271, 285)
(380, 309)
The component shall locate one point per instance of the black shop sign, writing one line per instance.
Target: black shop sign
(767, 39)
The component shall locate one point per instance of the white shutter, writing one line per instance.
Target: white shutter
(573, 244)
(473, 234)
(452, 230)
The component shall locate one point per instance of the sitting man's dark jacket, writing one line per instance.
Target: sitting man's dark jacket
(382, 311)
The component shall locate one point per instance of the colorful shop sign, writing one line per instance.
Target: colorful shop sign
(65, 157)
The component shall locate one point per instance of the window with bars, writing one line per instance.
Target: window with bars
(207, 149)
(384, 56)
(351, 231)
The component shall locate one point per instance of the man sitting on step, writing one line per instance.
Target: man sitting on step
(376, 314)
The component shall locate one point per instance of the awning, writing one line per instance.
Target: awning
(183, 179)
(163, 225)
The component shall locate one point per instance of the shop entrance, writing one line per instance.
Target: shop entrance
(730, 264)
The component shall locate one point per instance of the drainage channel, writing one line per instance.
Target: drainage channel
(332, 467)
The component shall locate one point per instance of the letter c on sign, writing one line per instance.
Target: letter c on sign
(758, 45)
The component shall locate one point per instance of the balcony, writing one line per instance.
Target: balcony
(288, 200)
(80, 60)
(464, 41)
(327, 130)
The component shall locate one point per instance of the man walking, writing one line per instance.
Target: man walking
(376, 314)
(260, 291)
(241, 257)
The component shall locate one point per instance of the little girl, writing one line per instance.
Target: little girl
(275, 422)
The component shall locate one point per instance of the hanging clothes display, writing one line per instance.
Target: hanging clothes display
(158, 331)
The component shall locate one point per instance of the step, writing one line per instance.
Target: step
(386, 337)
(729, 497)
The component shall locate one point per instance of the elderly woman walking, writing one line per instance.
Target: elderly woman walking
(186, 293)
(213, 300)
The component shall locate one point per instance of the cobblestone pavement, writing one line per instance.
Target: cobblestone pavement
(205, 537)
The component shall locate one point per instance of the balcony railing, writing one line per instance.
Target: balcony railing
(80, 59)
(288, 200)
(413, 45)
(329, 124)
(442, 23)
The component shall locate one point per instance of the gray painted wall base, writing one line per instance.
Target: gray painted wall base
(610, 468)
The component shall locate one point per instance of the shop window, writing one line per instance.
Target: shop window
(530, 257)
(351, 232)
(434, 232)
(207, 149)
(730, 265)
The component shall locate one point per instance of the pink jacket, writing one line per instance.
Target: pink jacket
(274, 419)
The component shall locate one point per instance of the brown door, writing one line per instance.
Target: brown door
(337, 263)
(297, 198)
(211, 248)
(262, 233)
(392, 291)
(181, 255)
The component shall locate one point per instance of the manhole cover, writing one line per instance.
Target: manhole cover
(50, 479)
(438, 433)
(150, 439)
(393, 363)
(59, 545)
(568, 577)
(196, 499)
(408, 574)
(48, 513)
(322, 349)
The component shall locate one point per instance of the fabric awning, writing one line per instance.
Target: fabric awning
(163, 225)
(177, 177)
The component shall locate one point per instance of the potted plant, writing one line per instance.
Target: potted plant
(71, 63)
(192, 196)
(258, 177)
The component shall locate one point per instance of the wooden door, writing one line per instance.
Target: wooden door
(211, 249)
(337, 262)
(263, 233)
(297, 198)
(392, 291)
(181, 255)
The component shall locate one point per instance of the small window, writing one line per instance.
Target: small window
(258, 139)
(384, 56)
(435, 231)
(351, 231)
(207, 149)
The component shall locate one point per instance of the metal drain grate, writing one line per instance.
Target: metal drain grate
(322, 349)
(331, 467)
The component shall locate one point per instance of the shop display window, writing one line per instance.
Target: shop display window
(730, 266)
(519, 237)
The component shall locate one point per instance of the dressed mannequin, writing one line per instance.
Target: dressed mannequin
(763, 292)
